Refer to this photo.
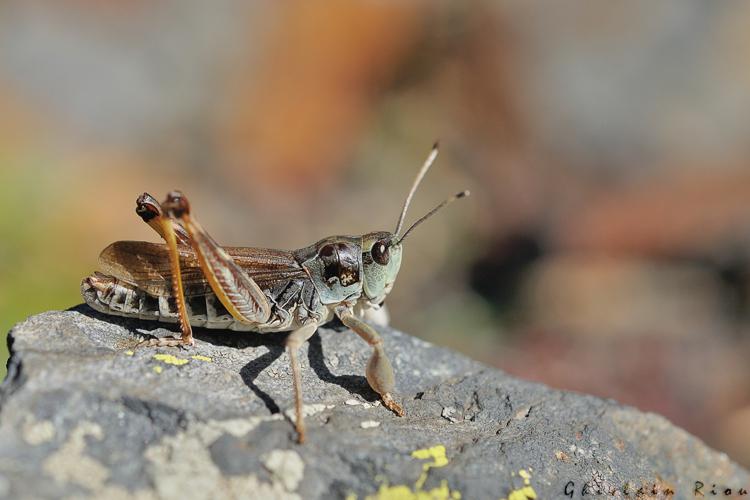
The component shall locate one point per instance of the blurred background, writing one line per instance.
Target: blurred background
(605, 249)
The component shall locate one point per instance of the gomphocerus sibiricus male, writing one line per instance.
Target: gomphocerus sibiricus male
(193, 281)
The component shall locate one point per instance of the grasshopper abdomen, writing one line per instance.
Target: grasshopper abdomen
(295, 302)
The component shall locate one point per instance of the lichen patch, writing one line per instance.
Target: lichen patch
(36, 432)
(287, 467)
(70, 464)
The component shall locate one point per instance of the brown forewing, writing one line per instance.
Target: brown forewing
(146, 265)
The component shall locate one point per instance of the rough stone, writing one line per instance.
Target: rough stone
(84, 415)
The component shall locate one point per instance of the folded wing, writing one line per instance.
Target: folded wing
(146, 266)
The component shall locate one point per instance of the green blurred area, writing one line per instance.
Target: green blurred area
(38, 273)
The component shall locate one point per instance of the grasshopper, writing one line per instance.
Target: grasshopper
(193, 281)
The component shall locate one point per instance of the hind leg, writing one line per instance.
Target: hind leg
(239, 294)
(151, 212)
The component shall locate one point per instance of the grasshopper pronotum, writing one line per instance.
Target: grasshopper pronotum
(195, 282)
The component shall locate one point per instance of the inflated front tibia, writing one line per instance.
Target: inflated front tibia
(379, 372)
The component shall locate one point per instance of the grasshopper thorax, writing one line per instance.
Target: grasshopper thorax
(334, 264)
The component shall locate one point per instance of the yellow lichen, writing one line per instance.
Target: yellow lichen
(129, 353)
(526, 477)
(525, 493)
(417, 492)
(157, 369)
(403, 492)
(200, 357)
(437, 453)
(170, 360)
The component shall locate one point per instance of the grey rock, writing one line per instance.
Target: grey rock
(82, 415)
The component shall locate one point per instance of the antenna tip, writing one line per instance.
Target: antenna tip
(463, 194)
(436, 145)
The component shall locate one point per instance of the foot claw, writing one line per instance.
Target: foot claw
(392, 405)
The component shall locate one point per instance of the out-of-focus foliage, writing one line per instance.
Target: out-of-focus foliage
(605, 247)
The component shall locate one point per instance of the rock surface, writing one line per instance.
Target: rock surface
(83, 415)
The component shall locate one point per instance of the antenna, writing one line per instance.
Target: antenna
(432, 212)
(420, 175)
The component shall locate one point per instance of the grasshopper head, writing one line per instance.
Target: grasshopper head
(381, 260)
(381, 251)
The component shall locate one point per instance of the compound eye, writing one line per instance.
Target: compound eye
(381, 252)
(327, 251)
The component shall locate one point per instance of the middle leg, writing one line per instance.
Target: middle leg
(293, 342)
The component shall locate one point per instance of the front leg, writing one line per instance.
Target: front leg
(379, 371)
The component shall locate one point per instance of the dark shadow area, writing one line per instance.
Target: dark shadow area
(128, 323)
(250, 372)
(356, 384)
(223, 338)
(138, 327)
